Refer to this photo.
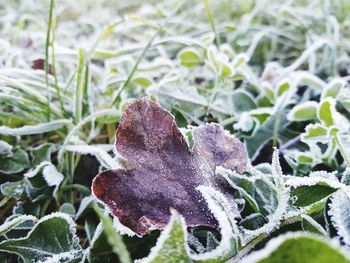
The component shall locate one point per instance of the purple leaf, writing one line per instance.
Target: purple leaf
(165, 171)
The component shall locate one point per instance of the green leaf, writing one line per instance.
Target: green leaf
(53, 237)
(267, 89)
(171, 245)
(42, 153)
(313, 188)
(241, 183)
(8, 225)
(12, 189)
(34, 129)
(311, 225)
(15, 162)
(339, 213)
(189, 57)
(326, 112)
(112, 117)
(282, 87)
(315, 132)
(113, 237)
(333, 89)
(68, 208)
(299, 248)
(265, 133)
(143, 81)
(5, 148)
(307, 195)
(304, 111)
(242, 101)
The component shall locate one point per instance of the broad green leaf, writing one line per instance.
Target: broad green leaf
(339, 213)
(304, 112)
(307, 195)
(15, 162)
(310, 189)
(326, 112)
(189, 57)
(299, 248)
(53, 237)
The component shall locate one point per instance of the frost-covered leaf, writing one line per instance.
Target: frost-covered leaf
(219, 63)
(315, 132)
(304, 111)
(150, 140)
(12, 189)
(267, 190)
(50, 174)
(243, 184)
(265, 132)
(34, 129)
(8, 225)
(308, 190)
(53, 237)
(311, 225)
(333, 89)
(243, 101)
(339, 212)
(189, 57)
(42, 153)
(298, 248)
(282, 87)
(326, 112)
(15, 162)
(5, 148)
(171, 245)
(68, 208)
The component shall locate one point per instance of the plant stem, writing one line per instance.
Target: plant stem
(47, 45)
(211, 22)
(342, 150)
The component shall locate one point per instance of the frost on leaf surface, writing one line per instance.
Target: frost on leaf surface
(165, 171)
(52, 238)
(299, 247)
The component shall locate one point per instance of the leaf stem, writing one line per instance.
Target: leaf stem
(342, 150)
